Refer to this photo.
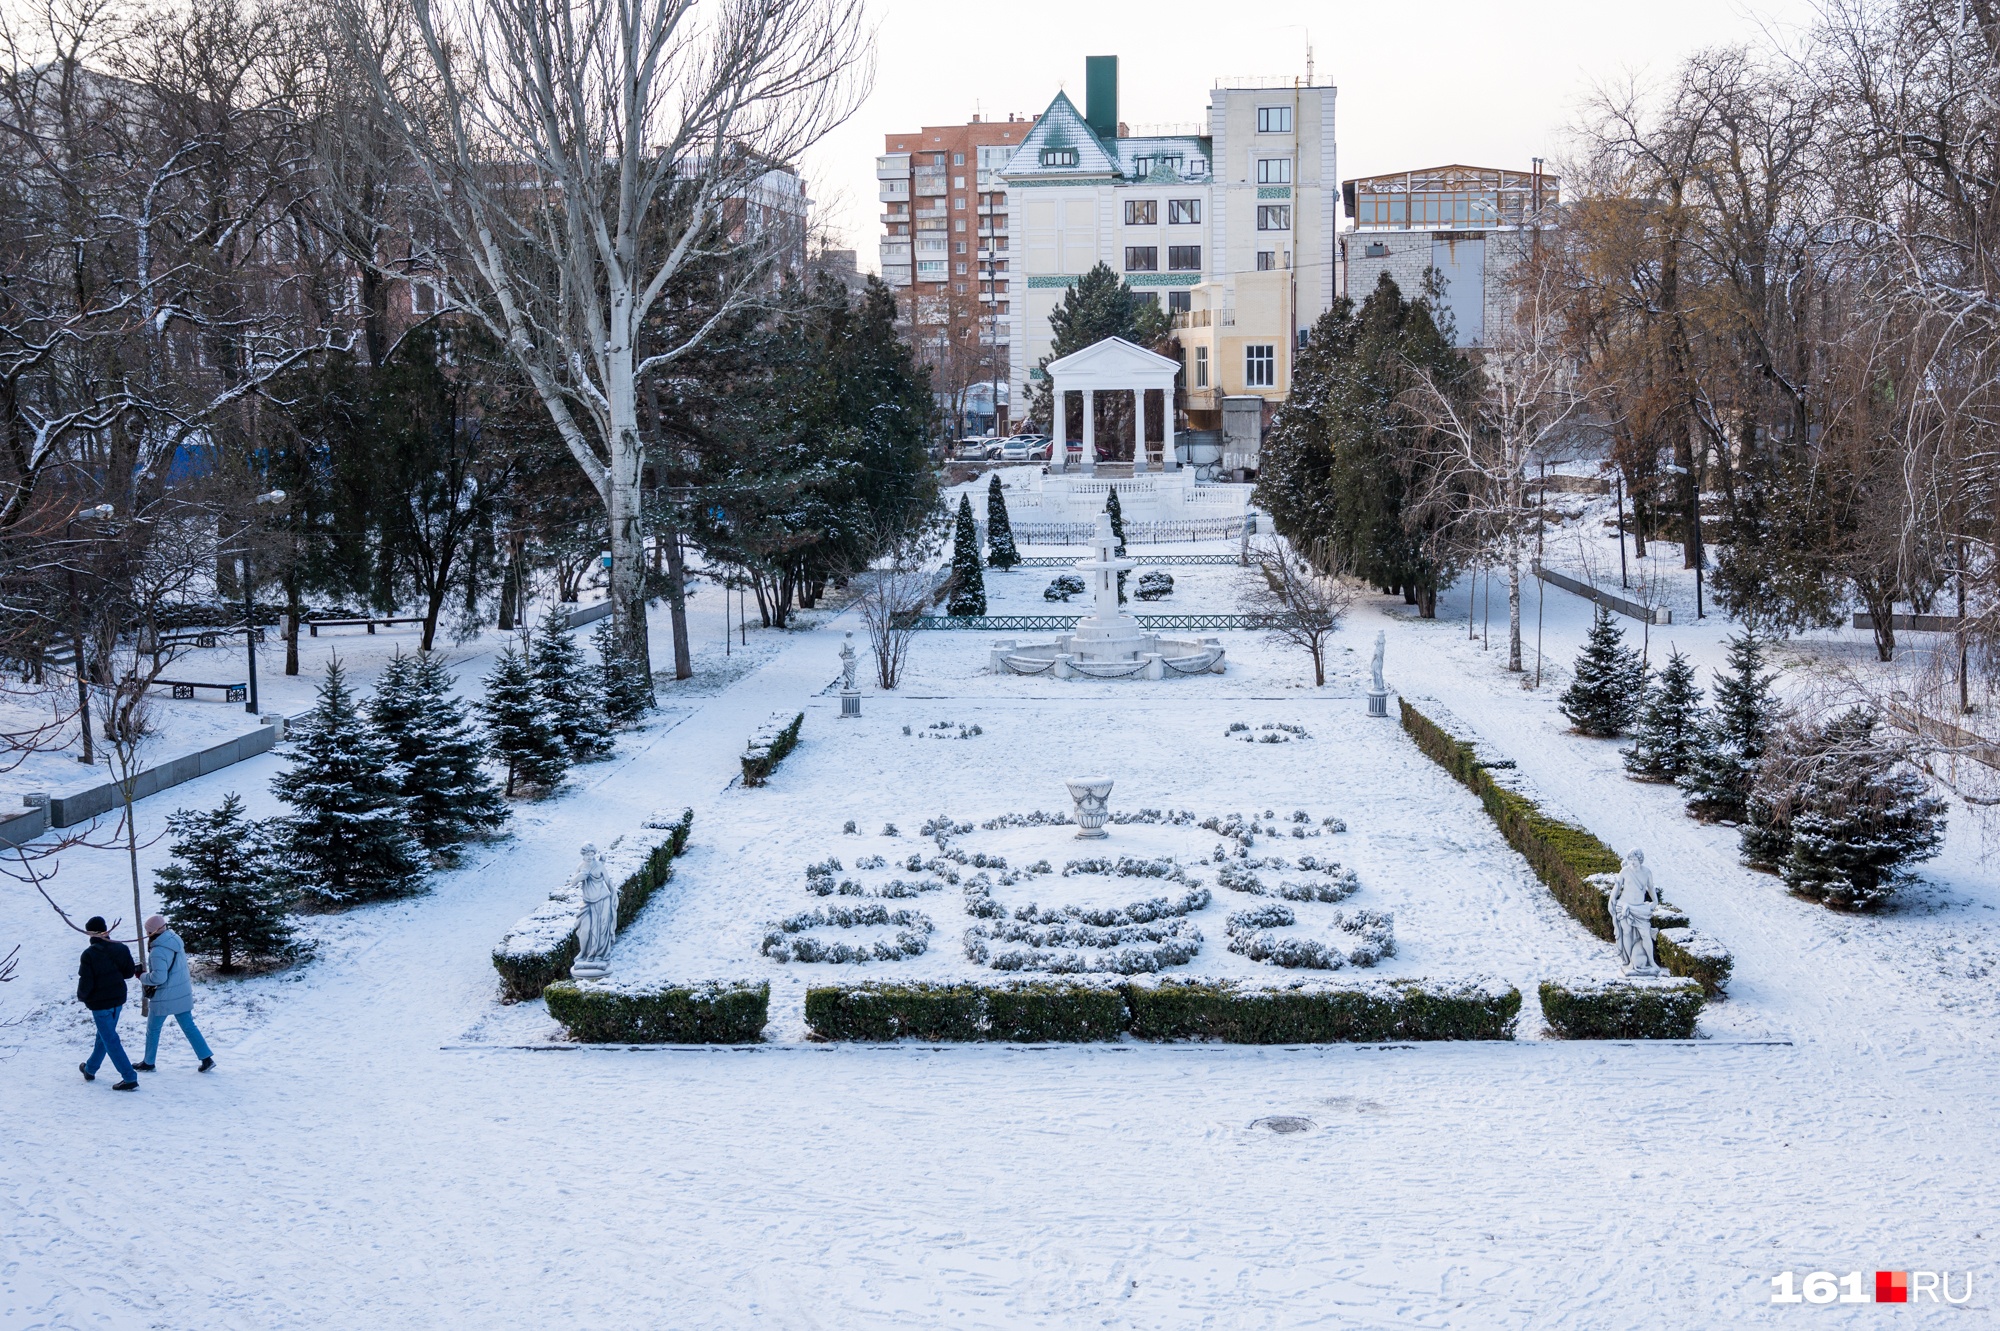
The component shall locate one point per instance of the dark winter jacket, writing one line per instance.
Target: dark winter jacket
(100, 979)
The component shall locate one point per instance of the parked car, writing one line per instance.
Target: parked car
(977, 447)
(1022, 447)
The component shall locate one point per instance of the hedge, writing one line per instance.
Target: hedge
(721, 1012)
(1309, 1013)
(1027, 1012)
(768, 748)
(1564, 856)
(540, 948)
(1621, 1010)
(1694, 954)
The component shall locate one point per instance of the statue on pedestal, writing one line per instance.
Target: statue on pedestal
(1631, 905)
(850, 697)
(597, 928)
(1378, 688)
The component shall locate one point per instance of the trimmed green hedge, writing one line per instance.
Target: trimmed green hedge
(767, 750)
(1563, 855)
(1223, 1010)
(1621, 1010)
(1692, 953)
(725, 1012)
(1029, 1012)
(526, 970)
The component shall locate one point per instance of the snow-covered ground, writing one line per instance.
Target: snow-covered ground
(370, 1150)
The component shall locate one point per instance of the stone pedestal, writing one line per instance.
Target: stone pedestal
(850, 704)
(587, 970)
(1378, 704)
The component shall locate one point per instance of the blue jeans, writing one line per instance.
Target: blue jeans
(108, 1042)
(156, 1020)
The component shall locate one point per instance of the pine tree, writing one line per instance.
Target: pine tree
(1000, 551)
(1605, 692)
(572, 702)
(1669, 724)
(446, 792)
(518, 728)
(345, 841)
(227, 899)
(1117, 512)
(1844, 814)
(968, 583)
(626, 697)
(1723, 762)
(1099, 304)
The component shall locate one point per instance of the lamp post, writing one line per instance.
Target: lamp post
(76, 628)
(250, 611)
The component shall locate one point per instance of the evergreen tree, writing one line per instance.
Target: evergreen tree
(518, 728)
(626, 697)
(1117, 512)
(1099, 304)
(1669, 724)
(1608, 679)
(226, 898)
(446, 792)
(572, 702)
(345, 841)
(1000, 551)
(1723, 763)
(968, 582)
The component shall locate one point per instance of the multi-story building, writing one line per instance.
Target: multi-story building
(1469, 224)
(1229, 224)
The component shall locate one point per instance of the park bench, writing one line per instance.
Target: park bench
(313, 626)
(184, 688)
(203, 637)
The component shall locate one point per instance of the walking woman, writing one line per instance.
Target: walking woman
(171, 992)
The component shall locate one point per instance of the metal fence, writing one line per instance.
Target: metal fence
(1174, 561)
(1082, 533)
(1063, 623)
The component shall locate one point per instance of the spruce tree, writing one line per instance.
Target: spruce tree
(346, 840)
(518, 728)
(626, 697)
(446, 791)
(572, 702)
(1000, 551)
(968, 582)
(1669, 724)
(1604, 694)
(1723, 763)
(226, 897)
(1117, 512)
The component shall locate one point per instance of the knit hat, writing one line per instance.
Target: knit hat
(96, 925)
(154, 924)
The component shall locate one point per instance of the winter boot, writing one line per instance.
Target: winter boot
(126, 1086)
(88, 1075)
(208, 1064)
(142, 1067)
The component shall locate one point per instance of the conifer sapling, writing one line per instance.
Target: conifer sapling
(1000, 551)
(968, 582)
(1605, 691)
(518, 728)
(572, 702)
(626, 697)
(1669, 725)
(1723, 762)
(446, 792)
(225, 896)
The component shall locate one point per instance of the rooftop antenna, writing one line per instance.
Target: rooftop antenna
(1309, 59)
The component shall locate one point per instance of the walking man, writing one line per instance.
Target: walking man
(100, 986)
(170, 992)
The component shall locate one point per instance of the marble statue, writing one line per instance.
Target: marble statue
(1631, 905)
(597, 928)
(847, 664)
(1093, 805)
(1381, 646)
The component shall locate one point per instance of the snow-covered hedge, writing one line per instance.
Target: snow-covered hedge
(716, 1012)
(1250, 936)
(1314, 1012)
(1031, 1011)
(1629, 1009)
(538, 950)
(1567, 858)
(1692, 953)
(768, 747)
(792, 939)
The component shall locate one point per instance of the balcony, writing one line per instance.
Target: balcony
(895, 189)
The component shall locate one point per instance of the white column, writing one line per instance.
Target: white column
(1090, 432)
(1059, 450)
(1169, 461)
(1138, 431)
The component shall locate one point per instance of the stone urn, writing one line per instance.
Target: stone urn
(1093, 805)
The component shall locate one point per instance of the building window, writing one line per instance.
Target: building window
(930, 270)
(961, 273)
(1058, 157)
(1142, 258)
(958, 182)
(1260, 366)
(1184, 258)
(1274, 217)
(1141, 212)
(937, 159)
(1274, 120)
(958, 159)
(958, 225)
(958, 247)
(959, 203)
(1201, 367)
(1266, 260)
(1003, 307)
(1182, 212)
(1179, 302)
(1274, 170)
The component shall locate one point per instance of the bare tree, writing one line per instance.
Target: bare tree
(579, 158)
(1297, 604)
(891, 594)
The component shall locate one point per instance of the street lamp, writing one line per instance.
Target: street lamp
(250, 611)
(98, 513)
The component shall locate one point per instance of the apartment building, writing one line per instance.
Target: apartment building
(1228, 222)
(1469, 224)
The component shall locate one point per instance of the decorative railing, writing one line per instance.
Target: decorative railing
(1145, 561)
(1063, 623)
(1080, 533)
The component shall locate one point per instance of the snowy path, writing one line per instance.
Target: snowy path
(342, 1167)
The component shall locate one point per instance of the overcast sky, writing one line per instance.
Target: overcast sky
(1420, 84)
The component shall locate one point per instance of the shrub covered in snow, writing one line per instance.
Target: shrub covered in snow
(1311, 1012)
(721, 1012)
(1250, 936)
(768, 747)
(1155, 585)
(792, 939)
(1064, 586)
(1622, 1009)
(1080, 948)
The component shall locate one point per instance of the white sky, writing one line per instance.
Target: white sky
(1420, 83)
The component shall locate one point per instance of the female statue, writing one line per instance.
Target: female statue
(598, 926)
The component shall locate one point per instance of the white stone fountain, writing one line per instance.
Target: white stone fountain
(1108, 643)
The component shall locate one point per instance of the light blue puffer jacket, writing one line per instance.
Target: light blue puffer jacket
(167, 967)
